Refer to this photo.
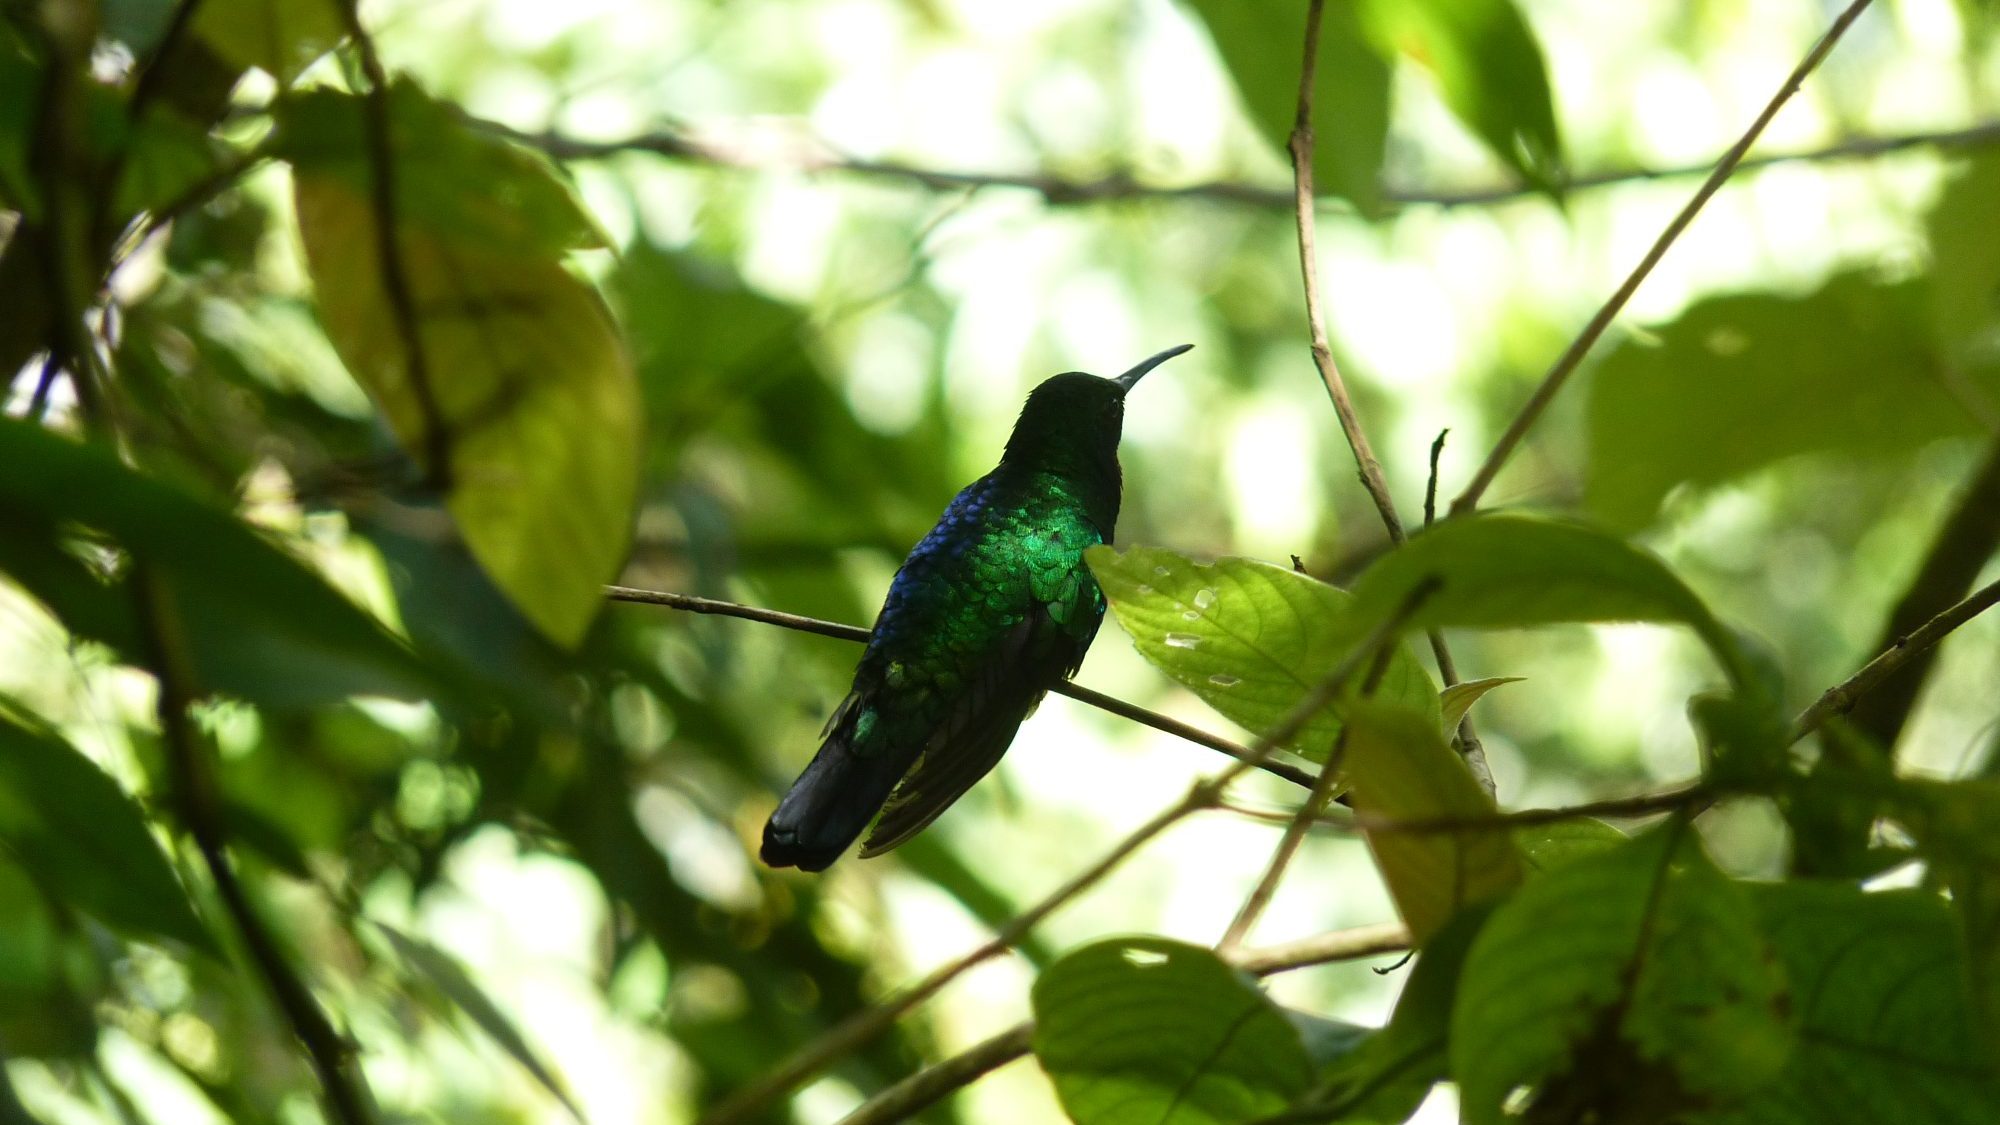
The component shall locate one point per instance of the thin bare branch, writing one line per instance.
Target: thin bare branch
(729, 147)
(1322, 350)
(753, 1102)
(199, 797)
(1968, 538)
(1840, 698)
(1372, 479)
(926, 1087)
(436, 445)
(691, 604)
(1566, 364)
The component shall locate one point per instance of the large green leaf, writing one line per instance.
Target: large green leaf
(255, 621)
(1965, 262)
(86, 841)
(1399, 767)
(1489, 69)
(1263, 44)
(1954, 823)
(1616, 952)
(1251, 639)
(1885, 1027)
(1506, 571)
(1383, 1080)
(1742, 382)
(1142, 1031)
(532, 391)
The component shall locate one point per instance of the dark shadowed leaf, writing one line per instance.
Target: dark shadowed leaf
(1739, 383)
(1489, 70)
(531, 389)
(1250, 638)
(1965, 263)
(257, 623)
(1619, 951)
(1142, 1031)
(1263, 46)
(444, 971)
(1880, 998)
(282, 37)
(86, 841)
(1388, 1075)
(1400, 768)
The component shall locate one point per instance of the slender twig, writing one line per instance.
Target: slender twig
(1841, 697)
(752, 1102)
(692, 604)
(717, 147)
(1431, 481)
(1965, 541)
(1566, 364)
(1322, 350)
(1644, 804)
(925, 1088)
(389, 249)
(1288, 845)
(1372, 479)
(200, 801)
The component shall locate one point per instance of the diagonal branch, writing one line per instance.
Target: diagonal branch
(925, 1088)
(1301, 146)
(1969, 537)
(689, 603)
(754, 1102)
(1566, 364)
(1841, 698)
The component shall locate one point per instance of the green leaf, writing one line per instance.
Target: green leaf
(281, 37)
(1399, 767)
(1456, 700)
(1251, 639)
(1885, 1024)
(450, 978)
(1619, 954)
(83, 838)
(1489, 70)
(1140, 1031)
(1507, 571)
(1262, 43)
(257, 623)
(1549, 846)
(20, 95)
(1384, 1079)
(1739, 383)
(1954, 826)
(1965, 262)
(531, 387)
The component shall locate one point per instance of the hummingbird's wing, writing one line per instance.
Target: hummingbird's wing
(1044, 648)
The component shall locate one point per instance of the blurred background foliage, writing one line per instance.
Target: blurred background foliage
(520, 871)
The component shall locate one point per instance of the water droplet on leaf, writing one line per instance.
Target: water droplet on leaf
(1182, 640)
(1224, 679)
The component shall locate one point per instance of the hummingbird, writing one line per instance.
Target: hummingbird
(990, 610)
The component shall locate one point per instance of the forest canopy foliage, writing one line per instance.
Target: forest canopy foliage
(448, 451)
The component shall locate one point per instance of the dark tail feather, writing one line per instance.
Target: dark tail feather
(829, 805)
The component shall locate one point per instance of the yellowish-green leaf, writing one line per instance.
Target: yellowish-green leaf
(1456, 700)
(530, 384)
(1251, 639)
(1400, 768)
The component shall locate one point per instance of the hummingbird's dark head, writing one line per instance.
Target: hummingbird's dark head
(1072, 421)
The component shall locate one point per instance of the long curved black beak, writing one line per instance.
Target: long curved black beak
(1138, 372)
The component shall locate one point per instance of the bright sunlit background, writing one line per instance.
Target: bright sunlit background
(931, 312)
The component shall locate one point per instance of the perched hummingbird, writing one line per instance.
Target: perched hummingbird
(993, 608)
